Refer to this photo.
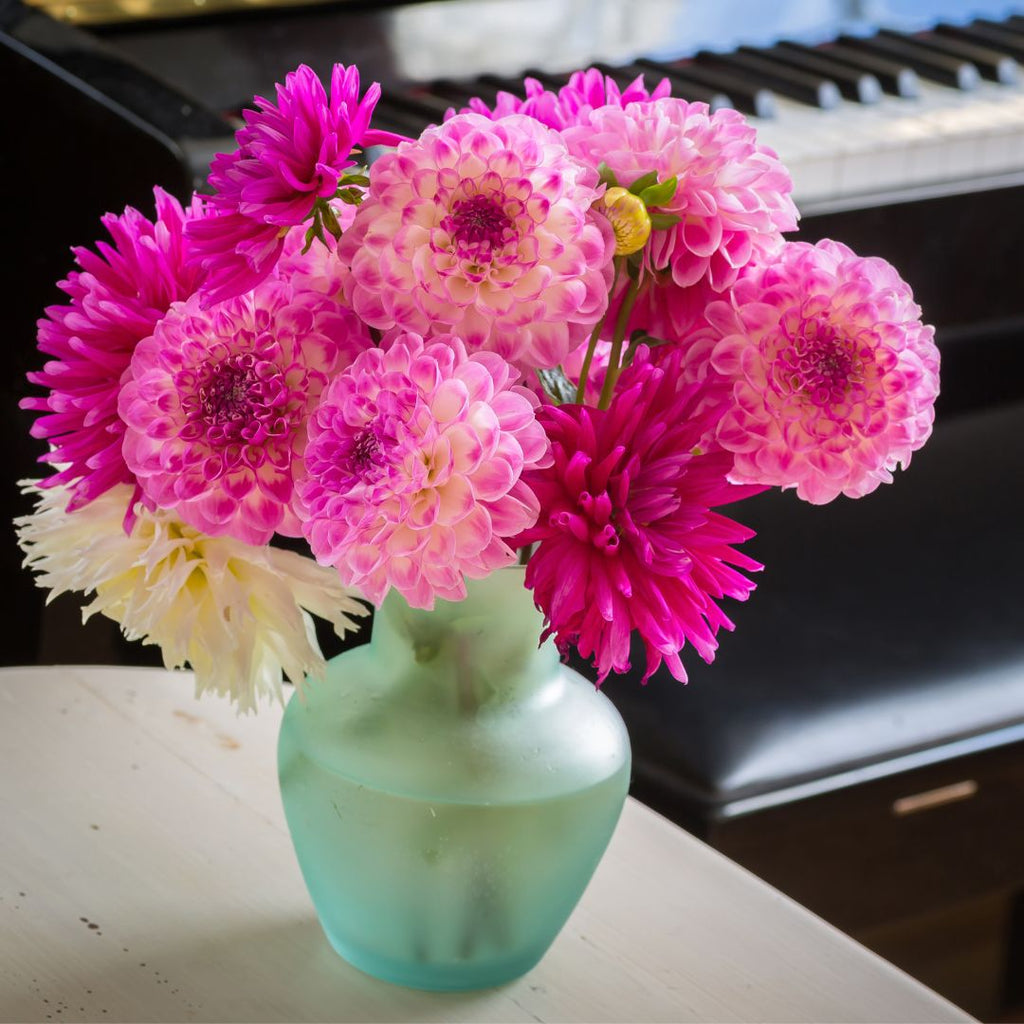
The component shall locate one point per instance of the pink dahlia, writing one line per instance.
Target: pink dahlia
(290, 154)
(414, 465)
(733, 196)
(217, 404)
(834, 375)
(117, 298)
(572, 104)
(627, 538)
(483, 229)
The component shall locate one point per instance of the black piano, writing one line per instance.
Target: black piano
(859, 741)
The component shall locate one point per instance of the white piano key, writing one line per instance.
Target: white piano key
(943, 136)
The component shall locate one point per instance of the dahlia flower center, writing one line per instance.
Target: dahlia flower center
(366, 452)
(479, 227)
(822, 364)
(591, 522)
(240, 399)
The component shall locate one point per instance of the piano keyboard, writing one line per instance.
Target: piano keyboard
(889, 117)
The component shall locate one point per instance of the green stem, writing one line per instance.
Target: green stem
(614, 369)
(595, 334)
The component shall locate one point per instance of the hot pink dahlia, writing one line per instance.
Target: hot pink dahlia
(482, 229)
(414, 466)
(289, 155)
(585, 91)
(627, 538)
(733, 195)
(117, 298)
(217, 403)
(834, 375)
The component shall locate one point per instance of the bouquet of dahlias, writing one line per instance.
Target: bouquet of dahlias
(567, 329)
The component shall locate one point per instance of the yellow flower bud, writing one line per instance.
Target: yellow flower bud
(629, 219)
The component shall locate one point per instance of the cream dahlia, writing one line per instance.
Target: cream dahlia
(414, 467)
(834, 376)
(238, 615)
(483, 229)
(217, 402)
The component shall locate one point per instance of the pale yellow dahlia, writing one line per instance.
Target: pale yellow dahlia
(238, 615)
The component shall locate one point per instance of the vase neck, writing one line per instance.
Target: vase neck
(480, 650)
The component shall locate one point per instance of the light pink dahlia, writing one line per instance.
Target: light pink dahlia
(572, 104)
(627, 538)
(290, 154)
(117, 298)
(483, 229)
(414, 467)
(217, 404)
(733, 195)
(834, 376)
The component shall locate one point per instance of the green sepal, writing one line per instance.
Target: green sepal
(557, 385)
(607, 175)
(645, 181)
(638, 338)
(329, 220)
(351, 196)
(661, 221)
(661, 193)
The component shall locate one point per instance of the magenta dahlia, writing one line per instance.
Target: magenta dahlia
(483, 229)
(117, 297)
(290, 154)
(217, 403)
(628, 538)
(414, 469)
(733, 196)
(585, 91)
(834, 376)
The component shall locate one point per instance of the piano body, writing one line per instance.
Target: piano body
(859, 741)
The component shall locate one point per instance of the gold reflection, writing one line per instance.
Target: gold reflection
(110, 12)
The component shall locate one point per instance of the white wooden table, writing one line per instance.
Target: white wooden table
(146, 874)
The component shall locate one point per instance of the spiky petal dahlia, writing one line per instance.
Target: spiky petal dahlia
(584, 92)
(289, 155)
(483, 229)
(628, 538)
(238, 615)
(414, 465)
(117, 297)
(834, 376)
(733, 196)
(217, 402)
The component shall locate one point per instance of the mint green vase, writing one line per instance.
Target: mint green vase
(450, 789)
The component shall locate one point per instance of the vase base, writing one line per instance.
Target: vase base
(436, 975)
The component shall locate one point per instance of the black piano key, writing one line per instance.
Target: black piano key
(1003, 42)
(859, 86)
(895, 78)
(624, 76)
(458, 94)
(997, 67)
(744, 94)
(1015, 22)
(798, 85)
(950, 71)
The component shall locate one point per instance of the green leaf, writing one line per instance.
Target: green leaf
(661, 221)
(607, 175)
(661, 193)
(643, 182)
(556, 384)
(351, 196)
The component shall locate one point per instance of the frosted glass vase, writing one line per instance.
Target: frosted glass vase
(450, 788)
